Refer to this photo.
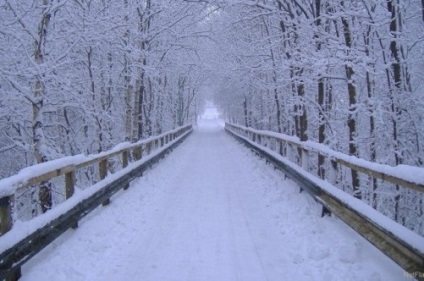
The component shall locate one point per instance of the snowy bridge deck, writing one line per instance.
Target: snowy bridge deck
(211, 211)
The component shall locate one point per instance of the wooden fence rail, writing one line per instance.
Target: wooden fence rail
(303, 150)
(278, 148)
(12, 258)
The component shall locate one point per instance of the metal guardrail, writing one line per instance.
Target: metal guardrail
(400, 251)
(14, 257)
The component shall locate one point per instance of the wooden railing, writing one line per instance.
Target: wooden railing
(394, 241)
(287, 146)
(144, 152)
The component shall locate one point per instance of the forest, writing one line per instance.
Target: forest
(81, 76)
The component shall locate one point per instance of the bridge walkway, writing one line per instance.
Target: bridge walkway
(211, 210)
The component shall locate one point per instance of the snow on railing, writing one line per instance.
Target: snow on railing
(67, 167)
(404, 175)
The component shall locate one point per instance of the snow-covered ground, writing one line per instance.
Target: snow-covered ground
(211, 210)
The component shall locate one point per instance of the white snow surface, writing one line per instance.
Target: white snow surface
(211, 210)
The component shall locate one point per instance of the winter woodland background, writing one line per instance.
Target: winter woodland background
(80, 76)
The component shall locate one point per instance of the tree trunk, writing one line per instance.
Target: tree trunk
(370, 92)
(351, 123)
(136, 114)
(39, 145)
(128, 112)
(321, 93)
(246, 117)
(397, 77)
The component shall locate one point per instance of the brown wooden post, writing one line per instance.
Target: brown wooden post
(299, 156)
(103, 174)
(14, 275)
(6, 224)
(70, 189)
(289, 151)
(124, 158)
(149, 147)
(6, 210)
(280, 142)
(332, 175)
(137, 153)
(69, 184)
(103, 169)
(305, 159)
(125, 164)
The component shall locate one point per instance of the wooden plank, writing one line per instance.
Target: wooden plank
(49, 175)
(91, 161)
(382, 176)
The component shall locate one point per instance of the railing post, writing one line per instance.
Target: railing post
(70, 189)
(282, 153)
(149, 147)
(103, 174)
(125, 164)
(6, 224)
(299, 156)
(69, 184)
(321, 167)
(305, 159)
(124, 158)
(332, 175)
(6, 209)
(138, 153)
(289, 150)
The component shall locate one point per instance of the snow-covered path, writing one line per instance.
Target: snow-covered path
(211, 210)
